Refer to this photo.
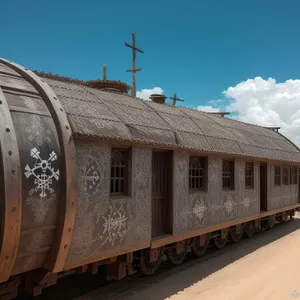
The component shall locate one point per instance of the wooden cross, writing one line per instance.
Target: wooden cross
(175, 99)
(134, 69)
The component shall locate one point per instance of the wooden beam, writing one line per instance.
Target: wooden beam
(104, 72)
(134, 68)
(12, 192)
(137, 49)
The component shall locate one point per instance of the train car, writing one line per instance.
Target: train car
(91, 176)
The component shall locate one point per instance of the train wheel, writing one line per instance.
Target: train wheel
(198, 250)
(283, 217)
(271, 222)
(257, 226)
(236, 234)
(175, 258)
(220, 241)
(147, 267)
(176, 255)
(249, 230)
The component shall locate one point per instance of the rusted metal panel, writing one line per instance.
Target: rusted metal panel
(11, 192)
(96, 210)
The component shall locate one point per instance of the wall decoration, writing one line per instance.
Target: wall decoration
(103, 222)
(37, 131)
(42, 172)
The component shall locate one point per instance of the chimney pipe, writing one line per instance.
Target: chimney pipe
(158, 98)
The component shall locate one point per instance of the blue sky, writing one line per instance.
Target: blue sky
(194, 48)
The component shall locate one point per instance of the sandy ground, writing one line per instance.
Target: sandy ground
(267, 266)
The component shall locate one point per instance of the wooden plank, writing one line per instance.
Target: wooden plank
(67, 208)
(28, 111)
(8, 81)
(159, 242)
(12, 201)
(106, 255)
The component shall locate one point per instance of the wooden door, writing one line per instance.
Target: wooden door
(161, 174)
(263, 187)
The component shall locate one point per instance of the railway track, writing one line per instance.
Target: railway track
(95, 287)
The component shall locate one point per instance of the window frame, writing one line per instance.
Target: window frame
(126, 152)
(293, 175)
(285, 175)
(230, 177)
(277, 176)
(251, 176)
(204, 168)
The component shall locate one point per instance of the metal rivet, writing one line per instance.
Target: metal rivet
(7, 130)
(13, 171)
(69, 229)
(10, 152)
(66, 246)
(61, 109)
(55, 98)
(67, 127)
(0, 102)
(14, 209)
(73, 203)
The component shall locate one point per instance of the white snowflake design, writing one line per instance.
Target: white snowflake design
(29, 102)
(39, 207)
(246, 202)
(115, 225)
(199, 209)
(42, 181)
(229, 203)
(37, 131)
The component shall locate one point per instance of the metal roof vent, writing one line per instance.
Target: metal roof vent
(158, 98)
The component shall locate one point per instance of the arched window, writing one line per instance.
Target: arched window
(197, 173)
(119, 172)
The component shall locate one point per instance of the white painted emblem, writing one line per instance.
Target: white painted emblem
(199, 209)
(229, 203)
(115, 225)
(42, 172)
(37, 131)
(246, 202)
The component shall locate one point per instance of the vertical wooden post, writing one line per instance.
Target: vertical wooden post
(104, 72)
(133, 65)
(175, 99)
(134, 69)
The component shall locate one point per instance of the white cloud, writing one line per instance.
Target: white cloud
(208, 108)
(146, 93)
(268, 103)
(216, 102)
